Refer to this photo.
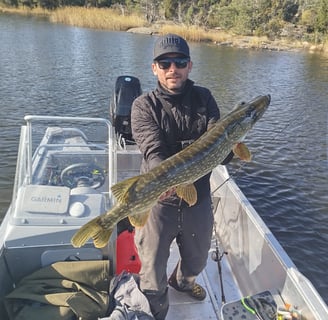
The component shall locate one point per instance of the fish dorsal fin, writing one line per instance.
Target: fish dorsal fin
(188, 193)
(120, 189)
(140, 219)
(242, 152)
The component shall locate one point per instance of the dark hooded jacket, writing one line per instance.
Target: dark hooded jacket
(162, 122)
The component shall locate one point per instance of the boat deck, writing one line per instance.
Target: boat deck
(224, 298)
(184, 307)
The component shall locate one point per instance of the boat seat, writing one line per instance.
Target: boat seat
(70, 254)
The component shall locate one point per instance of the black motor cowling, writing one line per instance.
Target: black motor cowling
(127, 88)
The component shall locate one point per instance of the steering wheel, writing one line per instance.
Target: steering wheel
(91, 175)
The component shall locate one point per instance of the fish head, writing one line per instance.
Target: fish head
(245, 115)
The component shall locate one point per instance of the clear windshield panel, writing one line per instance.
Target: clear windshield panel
(63, 162)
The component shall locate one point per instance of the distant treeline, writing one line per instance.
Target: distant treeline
(298, 18)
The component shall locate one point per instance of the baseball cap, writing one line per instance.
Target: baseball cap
(170, 43)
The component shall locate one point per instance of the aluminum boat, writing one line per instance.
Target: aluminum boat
(65, 169)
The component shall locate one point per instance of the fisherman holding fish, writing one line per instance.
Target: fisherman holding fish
(177, 129)
(164, 121)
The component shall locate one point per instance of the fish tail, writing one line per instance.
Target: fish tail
(94, 230)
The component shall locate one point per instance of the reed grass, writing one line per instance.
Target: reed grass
(97, 18)
(109, 19)
(194, 33)
(25, 11)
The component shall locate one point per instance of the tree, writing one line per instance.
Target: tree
(322, 17)
(223, 17)
(170, 9)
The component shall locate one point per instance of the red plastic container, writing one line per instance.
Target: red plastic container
(126, 253)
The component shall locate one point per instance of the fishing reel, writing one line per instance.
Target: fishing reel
(217, 256)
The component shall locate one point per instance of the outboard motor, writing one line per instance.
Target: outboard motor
(127, 88)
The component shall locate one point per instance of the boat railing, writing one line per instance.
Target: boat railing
(256, 259)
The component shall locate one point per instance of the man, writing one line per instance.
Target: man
(163, 122)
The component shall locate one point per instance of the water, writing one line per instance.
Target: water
(56, 70)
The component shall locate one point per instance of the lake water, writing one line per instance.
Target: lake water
(56, 70)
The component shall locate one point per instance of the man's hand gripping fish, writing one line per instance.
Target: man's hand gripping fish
(137, 195)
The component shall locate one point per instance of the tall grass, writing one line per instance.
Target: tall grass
(96, 18)
(109, 19)
(194, 33)
(25, 11)
(198, 34)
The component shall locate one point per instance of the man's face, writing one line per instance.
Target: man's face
(172, 73)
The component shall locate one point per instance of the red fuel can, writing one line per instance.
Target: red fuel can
(126, 253)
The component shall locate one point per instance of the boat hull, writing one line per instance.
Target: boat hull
(33, 236)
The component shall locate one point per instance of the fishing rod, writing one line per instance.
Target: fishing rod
(217, 257)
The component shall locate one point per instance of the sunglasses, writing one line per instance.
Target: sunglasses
(180, 63)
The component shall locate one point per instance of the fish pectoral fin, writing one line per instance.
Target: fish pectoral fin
(93, 230)
(120, 189)
(139, 220)
(188, 193)
(242, 152)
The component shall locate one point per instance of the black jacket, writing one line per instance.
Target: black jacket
(160, 121)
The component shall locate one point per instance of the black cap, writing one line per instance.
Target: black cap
(170, 43)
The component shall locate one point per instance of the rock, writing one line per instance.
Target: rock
(143, 30)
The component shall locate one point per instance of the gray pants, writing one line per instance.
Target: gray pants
(192, 229)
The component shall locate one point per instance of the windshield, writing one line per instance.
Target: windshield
(58, 159)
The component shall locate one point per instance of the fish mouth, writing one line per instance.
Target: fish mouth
(269, 98)
(260, 105)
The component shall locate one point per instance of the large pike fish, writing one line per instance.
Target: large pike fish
(137, 195)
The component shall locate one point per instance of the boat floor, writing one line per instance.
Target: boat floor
(183, 306)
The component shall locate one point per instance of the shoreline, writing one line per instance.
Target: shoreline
(190, 33)
(249, 42)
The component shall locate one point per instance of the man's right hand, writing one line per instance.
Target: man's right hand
(167, 194)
